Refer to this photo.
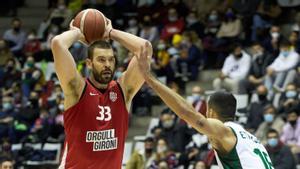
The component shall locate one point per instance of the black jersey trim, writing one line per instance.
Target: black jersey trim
(83, 91)
(102, 91)
(121, 92)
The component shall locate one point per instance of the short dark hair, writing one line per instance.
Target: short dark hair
(149, 139)
(271, 130)
(236, 45)
(284, 43)
(16, 19)
(224, 104)
(98, 44)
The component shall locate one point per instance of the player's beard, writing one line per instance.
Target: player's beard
(103, 77)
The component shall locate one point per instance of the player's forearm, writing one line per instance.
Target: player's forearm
(129, 41)
(66, 39)
(174, 101)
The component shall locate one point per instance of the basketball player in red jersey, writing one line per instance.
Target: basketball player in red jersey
(96, 108)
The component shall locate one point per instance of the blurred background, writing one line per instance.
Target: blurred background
(248, 47)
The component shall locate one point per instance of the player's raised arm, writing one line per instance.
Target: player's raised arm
(210, 127)
(131, 80)
(71, 81)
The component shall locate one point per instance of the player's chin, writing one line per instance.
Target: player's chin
(106, 78)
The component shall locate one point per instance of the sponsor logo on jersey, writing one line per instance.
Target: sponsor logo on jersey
(93, 94)
(113, 96)
(103, 140)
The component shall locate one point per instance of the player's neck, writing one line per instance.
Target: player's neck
(97, 84)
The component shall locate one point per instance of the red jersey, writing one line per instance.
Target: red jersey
(96, 128)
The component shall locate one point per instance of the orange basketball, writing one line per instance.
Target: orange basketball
(91, 22)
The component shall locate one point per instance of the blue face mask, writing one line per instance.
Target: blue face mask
(285, 53)
(77, 45)
(290, 94)
(269, 117)
(273, 142)
(6, 106)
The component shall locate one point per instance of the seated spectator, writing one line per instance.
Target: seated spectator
(173, 26)
(61, 15)
(280, 154)
(197, 99)
(193, 24)
(133, 26)
(278, 72)
(255, 110)
(141, 158)
(5, 53)
(261, 59)
(294, 41)
(33, 44)
(188, 157)
(11, 75)
(7, 115)
(289, 99)
(272, 40)
(16, 38)
(41, 126)
(213, 23)
(6, 164)
(230, 28)
(164, 156)
(235, 69)
(284, 3)
(149, 31)
(271, 120)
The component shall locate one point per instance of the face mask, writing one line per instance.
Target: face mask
(275, 35)
(7, 106)
(212, 17)
(167, 124)
(161, 149)
(147, 23)
(161, 46)
(229, 15)
(238, 56)
(293, 122)
(172, 18)
(191, 20)
(17, 29)
(196, 96)
(273, 142)
(61, 107)
(290, 94)
(285, 53)
(262, 97)
(30, 64)
(269, 117)
(148, 150)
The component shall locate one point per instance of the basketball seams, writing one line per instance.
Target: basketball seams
(82, 21)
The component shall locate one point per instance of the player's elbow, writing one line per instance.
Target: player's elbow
(55, 42)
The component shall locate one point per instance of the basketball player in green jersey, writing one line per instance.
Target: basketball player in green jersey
(234, 147)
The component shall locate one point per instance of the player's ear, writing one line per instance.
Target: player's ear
(89, 63)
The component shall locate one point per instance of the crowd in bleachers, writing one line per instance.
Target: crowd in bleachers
(254, 44)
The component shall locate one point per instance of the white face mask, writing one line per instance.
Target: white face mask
(61, 107)
(275, 35)
(161, 149)
(172, 18)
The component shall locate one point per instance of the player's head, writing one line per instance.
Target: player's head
(6, 164)
(101, 61)
(222, 106)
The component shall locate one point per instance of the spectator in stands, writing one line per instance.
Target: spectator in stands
(133, 26)
(174, 25)
(41, 126)
(213, 22)
(255, 109)
(289, 99)
(261, 59)
(7, 164)
(294, 41)
(16, 38)
(11, 75)
(7, 115)
(235, 69)
(271, 120)
(5, 53)
(149, 31)
(278, 72)
(164, 156)
(197, 99)
(33, 44)
(190, 56)
(193, 24)
(141, 158)
(61, 15)
(291, 132)
(186, 158)
(199, 165)
(272, 41)
(230, 28)
(280, 154)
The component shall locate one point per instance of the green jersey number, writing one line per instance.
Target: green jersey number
(264, 158)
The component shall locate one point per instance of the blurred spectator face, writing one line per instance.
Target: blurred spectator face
(292, 118)
(61, 5)
(291, 91)
(293, 37)
(7, 165)
(161, 146)
(213, 16)
(229, 15)
(196, 92)
(10, 65)
(34, 99)
(30, 62)
(273, 139)
(237, 52)
(167, 120)
(161, 45)
(275, 32)
(147, 21)
(157, 132)
(200, 165)
(262, 92)
(191, 18)
(258, 50)
(149, 145)
(163, 165)
(172, 15)
(16, 25)
(7, 103)
(269, 114)
(132, 22)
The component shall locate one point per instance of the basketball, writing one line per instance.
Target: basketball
(91, 22)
